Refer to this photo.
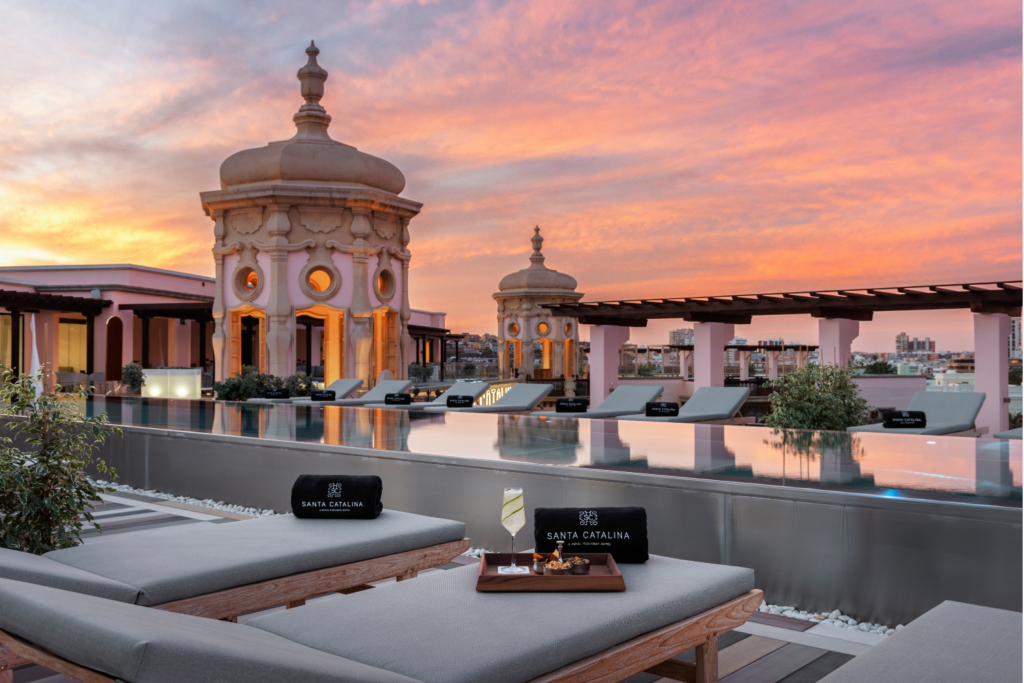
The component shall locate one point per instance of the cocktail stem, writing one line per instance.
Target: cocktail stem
(513, 550)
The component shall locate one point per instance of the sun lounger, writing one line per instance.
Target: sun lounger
(521, 398)
(946, 414)
(951, 643)
(625, 400)
(1009, 434)
(441, 631)
(710, 405)
(375, 395)
(340, 387)
(460, 388)
(222, 570)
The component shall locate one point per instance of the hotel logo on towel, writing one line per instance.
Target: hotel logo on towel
(588, 517)
(334, 490)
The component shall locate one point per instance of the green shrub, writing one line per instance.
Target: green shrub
(817, 397)
(249, 383)
(646, 370)
(880, 367)
(420, 373)
(133, 378)
(298, 384)
(44, 492)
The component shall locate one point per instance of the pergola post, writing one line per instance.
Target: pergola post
(744, 357)
(16, 351)
(145, 342)
(90, 345)
(991, 367)
(835, 339)
(605, 341)
(772, 362)
(709, 340)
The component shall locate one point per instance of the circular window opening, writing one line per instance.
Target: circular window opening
(568, 328)
(513, 329)
(319, 280)
(543, 328)
(385, 283)
(249, 280)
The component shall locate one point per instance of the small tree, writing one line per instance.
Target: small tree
(44, 491)
(298, 384)
(880, 367)
(420, 373)
(817, 397)
(133, 377)
(469, 369)
(646, 369)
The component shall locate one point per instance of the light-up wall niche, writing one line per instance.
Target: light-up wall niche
(161, 383)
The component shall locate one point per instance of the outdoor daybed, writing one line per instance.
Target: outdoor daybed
(952, 643)
(625, 400)
(223, 570)
(711, 405)
(375, 395)
(1010, 434)
(437, 629)
(341, 388)
(460, 388)
(521, 398)
(946, 414)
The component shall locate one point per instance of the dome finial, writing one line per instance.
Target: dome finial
(537, 241)
(312, 119)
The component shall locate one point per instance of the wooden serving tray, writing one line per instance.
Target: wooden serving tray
(604, 575)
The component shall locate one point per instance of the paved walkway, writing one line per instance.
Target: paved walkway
(783, 651)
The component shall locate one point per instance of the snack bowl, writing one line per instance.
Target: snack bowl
(538, 567)
(582, 568)
(557, 572)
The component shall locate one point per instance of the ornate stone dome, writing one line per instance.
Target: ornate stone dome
(538, 276)
(311, 156)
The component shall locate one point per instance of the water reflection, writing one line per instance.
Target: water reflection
(944, 468)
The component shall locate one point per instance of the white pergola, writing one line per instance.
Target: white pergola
(839, 314)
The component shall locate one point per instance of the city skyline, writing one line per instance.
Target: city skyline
(665, 150)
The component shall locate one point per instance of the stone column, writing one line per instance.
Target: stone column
(558, 350)
(279, 335)
(605, 341)
(219, 337)
(362, 309)
(503, 372)
(991, 365)
(405, 314)
(835, 339)
(526, 348)
(709, 340)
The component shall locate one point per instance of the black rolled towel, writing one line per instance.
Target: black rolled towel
(325, 395)
(661, 409)
(460, 402)
(904, 419)
(337, 496)
(397, 399)
(276, 393)
(619, 531)
(571, 405)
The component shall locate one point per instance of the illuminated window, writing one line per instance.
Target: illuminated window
(319, 280)
(568, 328)
(513, 329)
(543, 328)
(247, 281)
(385, 284)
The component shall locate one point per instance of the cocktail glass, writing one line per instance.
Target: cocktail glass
(513, 518)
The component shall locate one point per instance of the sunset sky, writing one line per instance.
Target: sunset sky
(666, 148)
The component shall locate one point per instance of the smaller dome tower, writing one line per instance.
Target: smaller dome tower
(522, 320)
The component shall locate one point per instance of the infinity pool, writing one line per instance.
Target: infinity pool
(953, 469)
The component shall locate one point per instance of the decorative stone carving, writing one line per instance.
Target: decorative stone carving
(384, 272)
(246, 221)
(317, 220)
(384, 225)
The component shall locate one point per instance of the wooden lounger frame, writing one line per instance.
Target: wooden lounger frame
(651, 652)
(293, 590)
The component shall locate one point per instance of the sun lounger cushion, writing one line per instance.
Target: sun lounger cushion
(1010, 434)
(440, 630)
(946, 413)
(460, 388)
(143, 645)
(952, 642)
(625, 400)
(186, 561)
(520, 397)
(706, 404)
(375, 395)
(44, 571)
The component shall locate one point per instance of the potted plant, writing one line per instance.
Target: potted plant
(45, 494)
(133, 378)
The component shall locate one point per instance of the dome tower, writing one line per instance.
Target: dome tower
(521, 320)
